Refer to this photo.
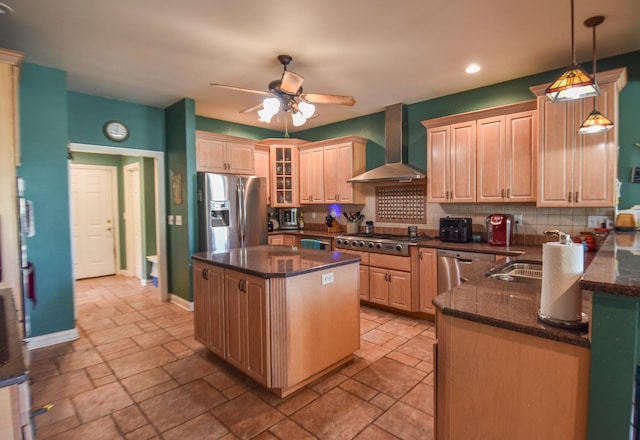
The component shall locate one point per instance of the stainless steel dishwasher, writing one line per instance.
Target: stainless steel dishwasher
(454, 267)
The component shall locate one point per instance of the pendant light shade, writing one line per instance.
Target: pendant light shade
(596, 122)
(574, 83)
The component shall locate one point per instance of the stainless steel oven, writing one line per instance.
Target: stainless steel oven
(454, 267)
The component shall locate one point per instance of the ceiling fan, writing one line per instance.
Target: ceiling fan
(286, 94)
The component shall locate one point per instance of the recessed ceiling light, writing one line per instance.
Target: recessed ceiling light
(5, 9)
(472, 68)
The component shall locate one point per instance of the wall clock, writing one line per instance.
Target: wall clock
(116, 131)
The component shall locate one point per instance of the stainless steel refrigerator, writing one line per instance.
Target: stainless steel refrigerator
(232, 211)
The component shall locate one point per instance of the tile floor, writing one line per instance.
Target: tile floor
(136, 372)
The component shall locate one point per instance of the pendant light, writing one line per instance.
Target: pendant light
(595, 122)
(574, 83)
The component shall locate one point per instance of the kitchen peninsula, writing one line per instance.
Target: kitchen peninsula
(284, 316)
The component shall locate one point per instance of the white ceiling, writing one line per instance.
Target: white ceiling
(382, 52)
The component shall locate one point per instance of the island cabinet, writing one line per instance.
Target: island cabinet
(578, 170)
(506, 158)
(286, 316)
(494, 383)
(325, 167)
(218, 153)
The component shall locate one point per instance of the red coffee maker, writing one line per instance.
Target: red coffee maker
(500, 229)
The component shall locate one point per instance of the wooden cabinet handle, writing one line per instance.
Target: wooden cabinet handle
(569, 197)
(502, 193)
(420, 254)
(205, 273)
(576, 200)
(508, 193)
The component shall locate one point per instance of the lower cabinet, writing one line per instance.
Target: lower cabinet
(493, 383)
(282, 240)
(390, 281)
(428, 269)
(230, 317)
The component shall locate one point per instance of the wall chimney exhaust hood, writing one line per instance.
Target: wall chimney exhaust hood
(396, 150)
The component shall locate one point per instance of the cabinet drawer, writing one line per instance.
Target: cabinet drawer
(390, 262)
(364, 256)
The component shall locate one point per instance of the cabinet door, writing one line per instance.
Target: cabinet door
(261, 159)
(364, 282)
(284, 175)
(240, 158)
(437, 164)
(276, 240)
(236, 305)
(332, 174)
(304, 161)
(216, 311)
(490, 150)
(596, 155)
(201, 302)
(399, 284)
(378, 285)
(211, 156)
(428, 264)
(555, 157)
(462, 162)
(289, 240)
(520, 157)
(316, 175)
(256, 328)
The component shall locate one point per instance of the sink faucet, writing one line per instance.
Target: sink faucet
(563, 237)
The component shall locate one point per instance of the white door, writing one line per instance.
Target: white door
(133, 219)
(92, 204)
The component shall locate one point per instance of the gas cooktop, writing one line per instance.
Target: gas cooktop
(380, 243)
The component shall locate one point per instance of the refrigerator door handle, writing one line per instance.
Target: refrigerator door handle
(243, 210)
(239, 221)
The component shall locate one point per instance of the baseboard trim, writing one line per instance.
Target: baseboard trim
(52, 339)
(179, 301)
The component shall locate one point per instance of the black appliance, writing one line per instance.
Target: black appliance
(455, 229)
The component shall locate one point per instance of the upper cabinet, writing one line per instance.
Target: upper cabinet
(263, 165)
(325, 167)
(283, 171)
(578, 170)
(506, 158)
(218, 153)
(483, 156)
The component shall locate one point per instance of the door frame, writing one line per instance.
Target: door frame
(113, 171)
(161, 203)
(130, 206)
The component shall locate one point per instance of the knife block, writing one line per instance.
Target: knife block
(335, 227)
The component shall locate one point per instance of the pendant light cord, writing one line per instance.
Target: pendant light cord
(573, 43)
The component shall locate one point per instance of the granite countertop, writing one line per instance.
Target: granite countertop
(513, 306)
(276, 261)
(510, 251)
(12, 368)
(616, 267)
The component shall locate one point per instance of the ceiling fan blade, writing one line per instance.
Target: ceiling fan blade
(317, 98)
(291, 82)
(240, 89)
(252, 108)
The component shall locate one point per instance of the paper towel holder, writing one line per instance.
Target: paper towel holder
(581, 325)
(563, 237)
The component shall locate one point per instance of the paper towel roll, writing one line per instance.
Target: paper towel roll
(562, 268)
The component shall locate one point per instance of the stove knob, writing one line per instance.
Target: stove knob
(338, 241)
(378, 245)
(361, 244)
(371, 245)
(354, 243)
(398, 247)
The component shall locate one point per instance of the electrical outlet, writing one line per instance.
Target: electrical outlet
(327, 278)
(518, 219)
(596, 221)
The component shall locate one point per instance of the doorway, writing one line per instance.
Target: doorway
(133, 219)
(159, 196)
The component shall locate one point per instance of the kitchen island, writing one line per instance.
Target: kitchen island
(282, 315)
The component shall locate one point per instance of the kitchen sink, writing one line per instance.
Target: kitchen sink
(522, 271)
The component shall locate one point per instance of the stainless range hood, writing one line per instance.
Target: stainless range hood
(396, 150)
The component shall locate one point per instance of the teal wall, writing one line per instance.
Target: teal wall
(88, 113)
(232, 129)
(181, 161)
(43, 140)
(148, 207)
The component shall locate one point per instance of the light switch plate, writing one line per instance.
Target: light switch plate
(170, 219)
(178, 220)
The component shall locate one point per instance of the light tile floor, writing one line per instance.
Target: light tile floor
(136, 372)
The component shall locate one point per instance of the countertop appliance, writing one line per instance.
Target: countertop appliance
(378, 243)
(455, 229)
(500, 229)
(288, 218)
(232, 211)
(455, 266)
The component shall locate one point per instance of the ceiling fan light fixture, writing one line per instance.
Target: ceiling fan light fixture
(574, 82)
(298, 119)
(596, 122)
(291, 82)
(307, 109)
(265, 116)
